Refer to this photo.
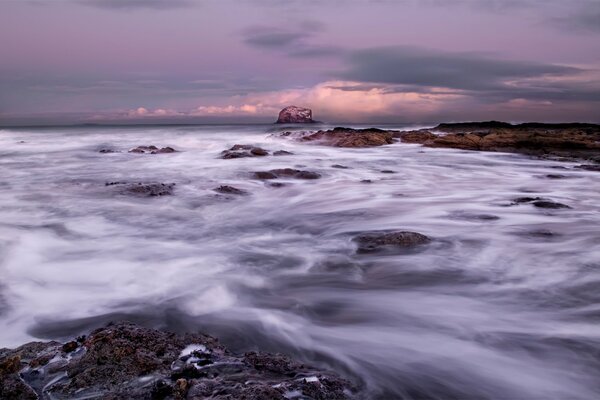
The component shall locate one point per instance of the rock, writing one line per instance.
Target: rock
(347, 137)
(286, 173)
(549, 204)
(125, 361)
(521, 200)
(371, 242)
(421, 136)
(387, 171)
(70, 346)
(243, 150)
(144, 189)
(339, 166)
(282, 153)
(589, 167)
(152, 150)
(563, 142)
(295, 115)
(108, 151)
(555, 176)
(225, 189)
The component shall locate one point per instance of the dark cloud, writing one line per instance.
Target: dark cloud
(274, 39)
(137, 4)
(291, 41)
(403, 68)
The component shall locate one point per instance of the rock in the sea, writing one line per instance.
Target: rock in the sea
(282, 153)
(295, 115)
(125, 361)
(152, 150)
(348, 137)
(421, 136)
(226, 189)
(144, 189)
(589, 167)
(549, 204)
(371, 242)
(243, 150)
(286, 173)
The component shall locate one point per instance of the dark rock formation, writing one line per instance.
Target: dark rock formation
(371, 242)
(286, 173)
(295, 115)
(282, 153)
(347, 137)
(539, 202)
(108, 151)
(143, 189)
(125, 361)
(562, 141)
(152, 150)
(243, 150)
(225, 189)
(589, 167)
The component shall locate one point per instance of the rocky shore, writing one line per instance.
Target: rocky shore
(127, 361)
(566, 142)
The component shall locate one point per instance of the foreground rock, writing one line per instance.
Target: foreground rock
(126, 361)
(295, 115)
(563, 141)
(286, 173)
(539, 202)
(371, 242)
(226, 189)
(243, 150)
(143, 189)
(348, 137)
(152, 150)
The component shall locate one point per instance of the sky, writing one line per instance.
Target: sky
(359, 61)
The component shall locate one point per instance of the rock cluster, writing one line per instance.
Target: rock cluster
(126, 361)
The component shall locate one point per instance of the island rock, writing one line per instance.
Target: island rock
(295, 115)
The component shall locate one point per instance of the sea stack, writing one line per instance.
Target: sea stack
(295, 115)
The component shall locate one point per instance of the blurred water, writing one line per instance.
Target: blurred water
(494, 308)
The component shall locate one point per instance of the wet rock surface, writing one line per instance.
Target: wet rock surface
(377, 241)
(348, 137)
(242, 151)
(226, 189)
(144, 189)
(295, 115)
(286, 173)
(539, 202)
(126, 361)
(560, 141)
(152, 150)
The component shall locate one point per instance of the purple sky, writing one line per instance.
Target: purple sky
(348, 60)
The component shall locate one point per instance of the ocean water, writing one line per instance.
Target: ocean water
(504, 303)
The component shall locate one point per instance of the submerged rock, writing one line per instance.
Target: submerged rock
(549, 204)
(225, 189)
(126, 361)
(243, 150)
(286, 173)
(143, 189)
(152, 150)
(371, 242)
(295, 115)
(589, 167)
(282, 153)
(348, 137)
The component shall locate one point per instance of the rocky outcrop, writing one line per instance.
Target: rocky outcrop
(376, 241)
(347, 137)
(152, 150)
(286, 173)
(562, 141)
(126, 361)
(539, 202)
(295, 115)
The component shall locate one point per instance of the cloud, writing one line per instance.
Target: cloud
(585, 20)
(294, 41)
(137, 4)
